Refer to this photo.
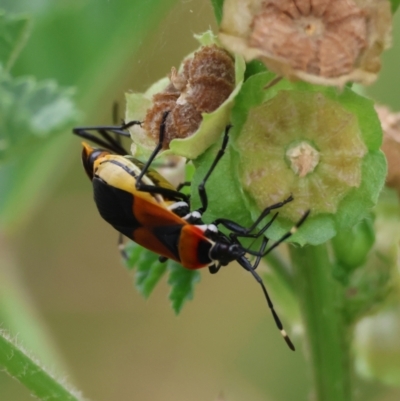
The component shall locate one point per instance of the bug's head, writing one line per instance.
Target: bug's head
(225, 251)
(89, 156)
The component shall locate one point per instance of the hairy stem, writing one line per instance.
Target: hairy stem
(18, 364)
(326, 334)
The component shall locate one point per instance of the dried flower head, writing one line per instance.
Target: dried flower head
(206, 80)
(199, 97)
(391, 144)
(320, 41)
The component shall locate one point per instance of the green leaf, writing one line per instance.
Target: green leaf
(16, 361)
(182, 283)
(395, 5)
(149, 271)
(218, 6)
(132, 253)
(224, 194)
(14, 31)
(254, 67)
(30, 111)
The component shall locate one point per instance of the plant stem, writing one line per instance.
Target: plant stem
(18, 364)
(326, 334)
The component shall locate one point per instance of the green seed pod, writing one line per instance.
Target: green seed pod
(371, 286)
(352, 246)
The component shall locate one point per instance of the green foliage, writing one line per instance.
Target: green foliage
(223, 190)
(149, 271)
(14, 31)
(218, 8)
(395, 5)
(254, 67)
(182, 282)
(31, 111)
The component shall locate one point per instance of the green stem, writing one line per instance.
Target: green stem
(326, 334)
(18, 364)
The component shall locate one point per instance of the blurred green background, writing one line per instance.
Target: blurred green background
(59, 262)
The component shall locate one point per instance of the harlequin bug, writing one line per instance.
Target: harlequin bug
(140, 204)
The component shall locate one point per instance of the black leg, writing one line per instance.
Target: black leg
(121, 247)
(166, 192)
(183, 184)
(106, 141)
(115, 114)
(288, 234)
(241, 231)
(202, 190)
(153, 189)
(139, 184)
(279, 241)
(214, 268)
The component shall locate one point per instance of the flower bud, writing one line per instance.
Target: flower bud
(313, 143)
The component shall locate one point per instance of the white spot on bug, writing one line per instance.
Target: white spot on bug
(177, 205)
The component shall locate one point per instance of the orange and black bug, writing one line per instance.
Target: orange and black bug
(139, 203)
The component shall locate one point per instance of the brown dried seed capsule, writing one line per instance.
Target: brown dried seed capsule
(211, 79)
(182, 122)
(205, 82)
(327, 42)
(162, 102)
(207, 93)
(178, 81)
(212, 61)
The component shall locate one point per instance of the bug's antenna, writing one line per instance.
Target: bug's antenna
(247, 265)
(251, 268)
